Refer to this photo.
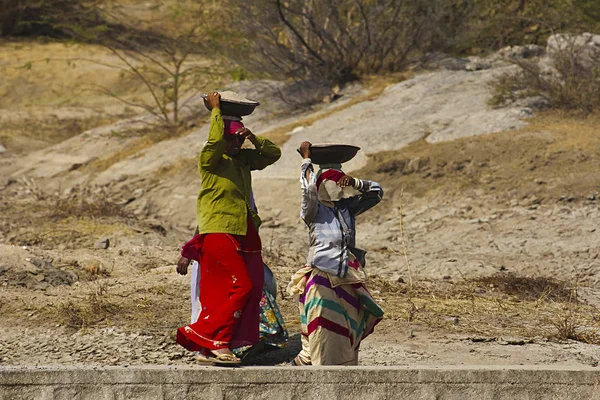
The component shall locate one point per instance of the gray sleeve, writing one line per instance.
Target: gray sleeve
(371, 195)
(310, 201)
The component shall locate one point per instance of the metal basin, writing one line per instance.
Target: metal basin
(234, 108)
(332, 153)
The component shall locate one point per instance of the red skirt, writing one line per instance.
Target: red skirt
(231, 281)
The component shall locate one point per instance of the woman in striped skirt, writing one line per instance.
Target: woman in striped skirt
(336, 310)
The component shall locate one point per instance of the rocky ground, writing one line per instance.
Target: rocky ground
(484, 250)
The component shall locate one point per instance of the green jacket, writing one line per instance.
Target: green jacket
(225, 198)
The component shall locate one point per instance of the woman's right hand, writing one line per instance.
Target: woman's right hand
(182, 265)
(214, 100)
(305, 149)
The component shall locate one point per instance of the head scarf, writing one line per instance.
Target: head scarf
(330, 174)
(231, 126)
(328, 190)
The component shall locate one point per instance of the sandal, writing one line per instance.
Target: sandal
(225, 359)
(203, 359)
(221, 359)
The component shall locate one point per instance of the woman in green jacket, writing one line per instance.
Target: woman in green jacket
(227, 246)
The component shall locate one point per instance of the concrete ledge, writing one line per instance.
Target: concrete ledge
(287, 383)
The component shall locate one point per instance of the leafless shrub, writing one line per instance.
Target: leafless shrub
(569, 325)
(33, 189)
(570, 80)
(94, 309)
(71, 315)
(335, 40)
(155, 54)
(156, 58)
(96, 270)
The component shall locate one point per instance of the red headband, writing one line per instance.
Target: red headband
(330, 174)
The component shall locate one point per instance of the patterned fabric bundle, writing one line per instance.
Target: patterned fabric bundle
(273, 334)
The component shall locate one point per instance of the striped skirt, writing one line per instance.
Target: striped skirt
(335, 318)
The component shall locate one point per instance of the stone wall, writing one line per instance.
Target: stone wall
(287, 383)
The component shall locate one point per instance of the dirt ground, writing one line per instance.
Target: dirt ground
(484, 251)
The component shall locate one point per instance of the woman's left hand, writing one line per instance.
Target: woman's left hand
(182, 265)
(346, 180)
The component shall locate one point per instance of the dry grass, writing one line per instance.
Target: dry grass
(497, 307)
(554, 156)
(70, 233)
(83, 218)
(570, 324)
(95, 270)
(500, 308)
(529, 288)
(34, 131)
(40, 74)
(47, 92)
(103, 302)
(55, 75)
(83, 207)
(92, 310)
(33, 217)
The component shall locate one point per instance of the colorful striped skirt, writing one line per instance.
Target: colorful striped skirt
(335, 317)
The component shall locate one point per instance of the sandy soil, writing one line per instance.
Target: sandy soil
(497, 278)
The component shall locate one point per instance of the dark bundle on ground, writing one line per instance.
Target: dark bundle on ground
(529, 288)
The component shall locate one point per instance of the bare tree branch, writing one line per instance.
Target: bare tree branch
(145, 107)
(144, 79)
(296, 33)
